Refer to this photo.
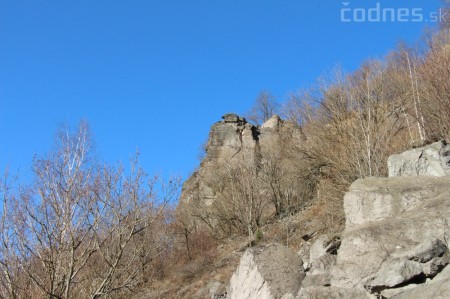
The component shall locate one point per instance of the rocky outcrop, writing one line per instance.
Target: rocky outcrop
(396, 240)
(234, 139)
(397, 233)
(267, 272)
(430, 160)
(229, 137)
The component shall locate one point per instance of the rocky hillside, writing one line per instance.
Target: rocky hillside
(246, 179)
(330, 185)
(395, 243)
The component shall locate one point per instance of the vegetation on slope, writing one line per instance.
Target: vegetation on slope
(86, 230)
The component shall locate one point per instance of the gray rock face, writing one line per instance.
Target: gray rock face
(434, 266)
(394, 273)
(228, 137)
(395, 244)
(267, 272)
(389, 293)
(274, 133)
(323, 264)
(376, 199)
(438, 288)
(317, 280)
(333, 293)
(430, 160)
(322, 256)
(397, 232)
(233, 118)
(233, 139)
(272, 123)
(322, 246)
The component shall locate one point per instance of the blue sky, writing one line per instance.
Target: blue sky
(155, 75)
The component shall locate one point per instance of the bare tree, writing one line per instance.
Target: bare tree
(264, 107)
(241, 204)
(130, 234)
(11, 282)
(287, 178)
(433, 72)
(57, 217)
(82, 230)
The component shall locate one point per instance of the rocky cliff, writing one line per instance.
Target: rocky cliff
(233, 140)
(395, 243)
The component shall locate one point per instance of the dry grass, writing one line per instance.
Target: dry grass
(189, 278)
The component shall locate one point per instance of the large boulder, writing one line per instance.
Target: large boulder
(430, 160)
(267, 272)
(375, 199)
(397, 233)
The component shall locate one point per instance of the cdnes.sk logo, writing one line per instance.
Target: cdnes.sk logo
(379, 13)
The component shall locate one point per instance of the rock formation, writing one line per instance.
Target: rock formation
(228, 139)
(395, 243)
(396, 233)
(234, 139)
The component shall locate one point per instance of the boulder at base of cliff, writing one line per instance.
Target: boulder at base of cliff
(396, 234)
(267, 272)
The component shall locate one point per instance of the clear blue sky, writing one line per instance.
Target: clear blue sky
(155, 74)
